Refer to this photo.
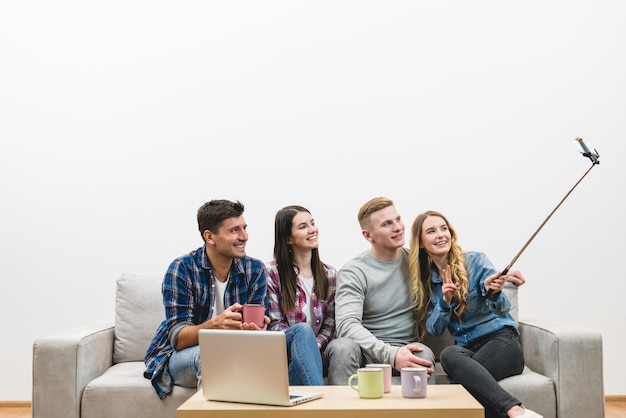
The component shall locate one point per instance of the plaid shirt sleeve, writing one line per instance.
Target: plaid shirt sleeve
(186, 295)
(181, 287)
(327, 330)
(278, 322)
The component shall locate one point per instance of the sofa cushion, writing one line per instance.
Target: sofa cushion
(534, 390)
(122, 392)
(138, 312)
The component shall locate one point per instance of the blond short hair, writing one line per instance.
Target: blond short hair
(371, 206)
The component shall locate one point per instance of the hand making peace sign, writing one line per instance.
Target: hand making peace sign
(448, 288)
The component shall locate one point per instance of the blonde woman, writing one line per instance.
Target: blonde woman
(452, 291)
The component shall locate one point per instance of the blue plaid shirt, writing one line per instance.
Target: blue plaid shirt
(188, 295)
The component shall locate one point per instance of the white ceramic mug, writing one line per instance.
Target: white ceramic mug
(414, 382)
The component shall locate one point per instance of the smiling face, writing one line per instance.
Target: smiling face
(304, 232)
(436, 238)
(230, 239)
(385, 231)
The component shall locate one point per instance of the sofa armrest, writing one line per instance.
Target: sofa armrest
(572, 357)
(64, 364)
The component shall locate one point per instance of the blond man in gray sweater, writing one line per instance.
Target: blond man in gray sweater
(374, 311)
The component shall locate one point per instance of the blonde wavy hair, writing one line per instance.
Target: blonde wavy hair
(421, 267)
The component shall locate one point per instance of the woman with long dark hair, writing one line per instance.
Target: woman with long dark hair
(301, 295)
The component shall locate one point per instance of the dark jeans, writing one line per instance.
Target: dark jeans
(479, 367)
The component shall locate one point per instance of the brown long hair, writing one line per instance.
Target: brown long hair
(421, 267)
(287, 270)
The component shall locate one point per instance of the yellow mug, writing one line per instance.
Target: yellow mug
(369, 382)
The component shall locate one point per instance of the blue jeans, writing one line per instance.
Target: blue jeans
(305, 360)
(479, 367)
(184, 367)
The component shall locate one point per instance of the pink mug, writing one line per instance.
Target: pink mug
(386, 375)
(254, 314)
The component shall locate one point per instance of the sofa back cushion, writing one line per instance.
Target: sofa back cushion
(439, 343)
(138, 312)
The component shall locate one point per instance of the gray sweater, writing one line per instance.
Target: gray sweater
(374, 306)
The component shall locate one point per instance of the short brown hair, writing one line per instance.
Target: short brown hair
(212, 214)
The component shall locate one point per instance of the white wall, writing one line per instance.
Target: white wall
(119, 119)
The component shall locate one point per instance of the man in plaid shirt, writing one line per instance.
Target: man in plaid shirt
(206, 288)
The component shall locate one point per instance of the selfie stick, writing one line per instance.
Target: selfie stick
(594, 157)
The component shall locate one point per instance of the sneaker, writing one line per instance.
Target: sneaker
(530, 414)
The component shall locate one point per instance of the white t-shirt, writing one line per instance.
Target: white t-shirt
(218, 304)
(307, 284)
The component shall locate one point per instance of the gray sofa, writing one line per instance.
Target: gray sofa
(98, 371)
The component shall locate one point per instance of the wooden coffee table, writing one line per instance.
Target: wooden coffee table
(343, 402)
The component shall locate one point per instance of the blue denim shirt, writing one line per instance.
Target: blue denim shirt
(482, 315)
(188, 295)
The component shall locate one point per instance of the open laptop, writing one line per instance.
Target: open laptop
(248, 367)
